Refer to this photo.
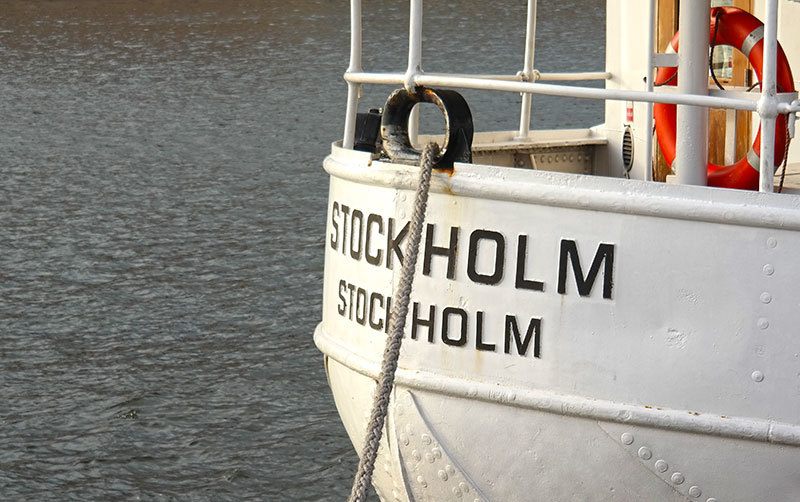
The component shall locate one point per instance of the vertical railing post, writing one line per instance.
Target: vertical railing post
(648, 168)
(353, 89)
(691, 152)
(527, 70)
(414, 62)
(768, 103)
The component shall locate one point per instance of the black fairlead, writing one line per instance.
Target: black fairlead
(457, 119)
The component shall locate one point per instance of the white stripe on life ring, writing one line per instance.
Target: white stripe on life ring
(751, 40)
(753, 159)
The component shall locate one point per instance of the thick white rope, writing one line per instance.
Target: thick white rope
(397, 323)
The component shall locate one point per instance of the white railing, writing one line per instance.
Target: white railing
(353, 89)
(527, 82)
(767, 105)
(527, 73)
(391, 78)
(650, 87)
(458, 81)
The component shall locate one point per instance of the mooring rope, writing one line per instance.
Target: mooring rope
(397, 323)
(785, 157)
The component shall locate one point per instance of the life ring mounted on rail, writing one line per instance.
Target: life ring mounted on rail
(743, 31)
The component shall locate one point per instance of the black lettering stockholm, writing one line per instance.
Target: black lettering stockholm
(604, 256)
(335, 224)
(428, 323)
(361, 306)
(499, 256)
(342, 308)
(373, 220)
(364, 236)
(520, 281)
(479, 343)
(374, 300)
(352, 289)
(356, 237)
(450, 251)
(447, 313)
(522, 343)
(393, 243)
(456, 329)
(346, 213)
(388, 314)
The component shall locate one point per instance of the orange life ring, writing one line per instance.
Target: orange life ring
(742, 30)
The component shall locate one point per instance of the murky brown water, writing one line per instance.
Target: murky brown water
(161, 220)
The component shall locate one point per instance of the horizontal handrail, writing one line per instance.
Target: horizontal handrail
(492, 84)
(573, 76)
(519, 77)
(537, 76)
(444, 80)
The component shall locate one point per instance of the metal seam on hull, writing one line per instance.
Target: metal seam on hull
(743, 428)
(651, 200)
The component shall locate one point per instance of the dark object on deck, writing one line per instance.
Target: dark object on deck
(368, 126)
(457, 119)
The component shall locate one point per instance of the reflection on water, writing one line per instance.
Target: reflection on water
(161, 230)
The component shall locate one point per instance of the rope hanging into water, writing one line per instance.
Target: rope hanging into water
(380, 405)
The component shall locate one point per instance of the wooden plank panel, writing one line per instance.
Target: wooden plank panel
(667, 22)
(716, 128)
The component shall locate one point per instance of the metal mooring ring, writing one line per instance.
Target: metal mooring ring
(457, 123)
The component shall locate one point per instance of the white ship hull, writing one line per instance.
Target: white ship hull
(574, 337)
